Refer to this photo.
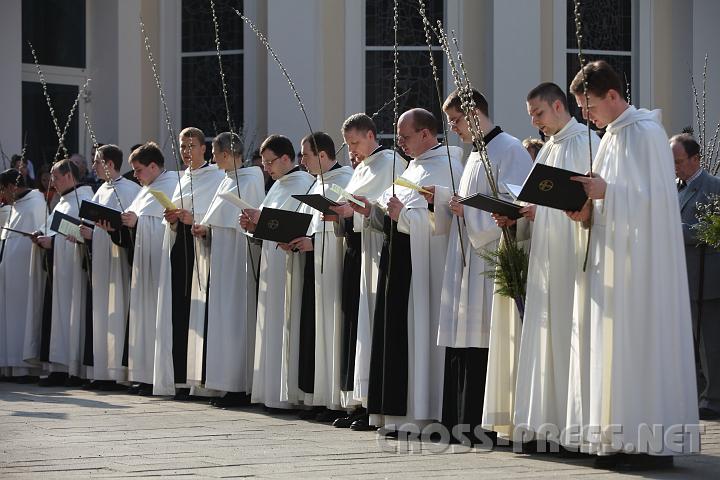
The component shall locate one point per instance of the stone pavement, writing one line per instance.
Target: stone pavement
(72, 433)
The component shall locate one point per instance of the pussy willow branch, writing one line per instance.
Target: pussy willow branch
(48, 101)
(109, 179)
(395, 89)
(70, 116)
(428, 41)
(263, 39)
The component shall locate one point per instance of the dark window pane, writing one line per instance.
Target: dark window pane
(42, 141)
(379, 22)
(203, 104)
(606, 25)
(621, 64)
(56, 29)
(198, 31)
(414, 72)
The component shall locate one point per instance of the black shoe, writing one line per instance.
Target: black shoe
(55, 379)
(387, 432)
(708, 414)
(608, 462)
(92, 385)
(111, 386)
(182, 394)
(134, 389)
(344, 422)
(329, 416)
(145, 390)
(232, 400)
(363, 425)
(73, 381)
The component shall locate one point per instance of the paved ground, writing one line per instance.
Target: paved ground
(70, 433)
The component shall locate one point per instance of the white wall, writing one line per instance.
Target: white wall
(706, 22)
(516, 61)
(11, 78)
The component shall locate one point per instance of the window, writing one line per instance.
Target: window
(414, 69)
(202, 103)
(56, 28)
(607, 35)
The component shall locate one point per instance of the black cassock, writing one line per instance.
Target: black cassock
(182, 261)
(350, 305)
(388, 385)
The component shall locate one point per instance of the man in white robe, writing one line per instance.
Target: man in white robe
(142, 236)
(406, 365)
(639, 370)
(62, 345)
(556, 259)
(278, 156)
(27, 214)
(183, 280)
(373, 174)
(110, 272)
(465, 310)
(311, 366)
(224, 346)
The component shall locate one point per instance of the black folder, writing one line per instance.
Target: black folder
(59, 217)
(94, 212)
(318, 202)
(551, 187)
(493, 205)
(281, 226)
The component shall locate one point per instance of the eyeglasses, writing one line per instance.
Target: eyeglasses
(453, 122)
(268, 162)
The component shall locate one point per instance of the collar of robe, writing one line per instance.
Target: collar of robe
(571, 128)
(71, 189)
(490, 135)
(632, 115)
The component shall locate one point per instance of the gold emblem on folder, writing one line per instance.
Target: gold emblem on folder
(273, 224)
(546, 185)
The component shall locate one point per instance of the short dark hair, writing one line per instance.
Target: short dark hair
(226, 140)
(360, 122)
(66, 166)
(454, 101)
(548, 92)
(113, 154)
(320, 142)
(688, 142)
(193, 132)
(600, 77)
(148, 153)
(422, 119)
(279, 145)
(11, 177)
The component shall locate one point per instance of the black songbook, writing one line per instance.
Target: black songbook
(493, 205)
(281, 226)
(551, 187)
(94, 212)
(66, 225)
(318, 202)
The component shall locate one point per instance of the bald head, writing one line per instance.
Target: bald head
(417, 131)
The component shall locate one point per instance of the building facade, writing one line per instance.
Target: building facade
(339, 54)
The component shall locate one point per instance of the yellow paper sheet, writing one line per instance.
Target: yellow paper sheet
(404, 182)
(163, 199)
(233, 198)
(346, 195)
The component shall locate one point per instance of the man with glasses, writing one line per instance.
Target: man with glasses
(182, 279)
(406, 363)
(278, 157)
(467, 293)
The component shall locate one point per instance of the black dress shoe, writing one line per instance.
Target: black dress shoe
(309, 414)
(232, 400)
(55, 379)
(608, 462)
(363, 425)
(634, 462)
(134, 389)
(708, 414)
(145, 390)
(344, 422)
(73, 381)
(329, 416)
(111, 386)
(182, 394)
(92, 385)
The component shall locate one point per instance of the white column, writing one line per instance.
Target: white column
(516, 63)
(295, 34)
(103, 67)
(11, 78)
